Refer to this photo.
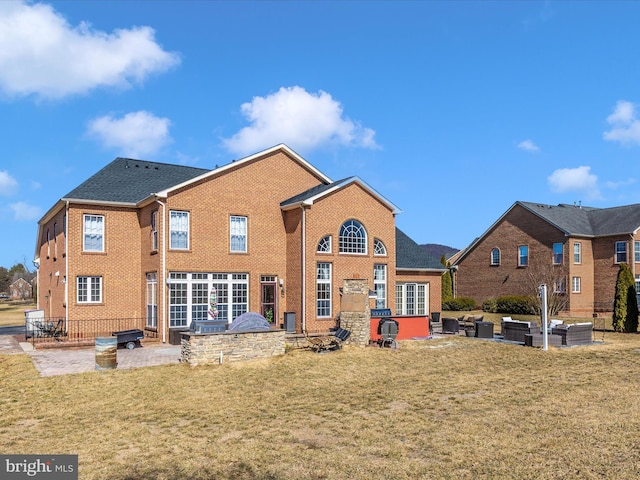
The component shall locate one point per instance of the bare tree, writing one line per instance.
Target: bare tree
(555, 278)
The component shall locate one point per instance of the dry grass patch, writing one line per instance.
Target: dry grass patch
(12, 313)
(449, 408)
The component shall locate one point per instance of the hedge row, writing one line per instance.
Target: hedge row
(516, 304)
(459, 304)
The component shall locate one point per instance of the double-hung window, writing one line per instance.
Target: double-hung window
(636, 249)
(154, 230)
(557, 253)
(152, 300)
(89, 289)
(577, 252)
(575, 284)
(179, 230)
(238, 232)
(621, 252)
(323, 290)
(523, 255)
(380, 285)
(93, 233)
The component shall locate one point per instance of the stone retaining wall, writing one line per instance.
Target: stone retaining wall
(211, 348)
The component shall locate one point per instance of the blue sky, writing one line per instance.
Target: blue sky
(451, 110)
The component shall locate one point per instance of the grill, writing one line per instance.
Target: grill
(388, 331)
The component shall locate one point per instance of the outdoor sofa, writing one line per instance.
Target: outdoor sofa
(515, 330)
(575, 334)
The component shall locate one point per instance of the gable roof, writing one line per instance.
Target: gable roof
(308, 197)
(410, 256)
(576, 220)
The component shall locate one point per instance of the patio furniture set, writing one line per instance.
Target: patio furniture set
(523, 332)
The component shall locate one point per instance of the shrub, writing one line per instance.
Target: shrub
(625, 307)
(489, 305)
(516, 304)
(459, 304)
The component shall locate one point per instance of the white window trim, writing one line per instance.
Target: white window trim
(324, 281)
(362, 241)
(420, 293)
(575, 284)
(380, 282)
(154, 230)
(561, 253)
(578, 253)
(172, 229)
(90, 281)
(626, 253)
(520, 257)
(379, 248)
(233, 232)
(85, 232)
(492, 262)
(326, 242)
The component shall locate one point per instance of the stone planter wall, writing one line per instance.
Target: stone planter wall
(210, 348)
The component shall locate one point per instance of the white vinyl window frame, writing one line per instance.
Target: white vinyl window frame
(178, 230)
(575, 285)
(495, 256)
(93, 233)
(636, 250)
(152, 300)
(353, 238)
(379, 248)
(154, 230)
(621, 252)
(577, 253)
(380, 285)
(523, 255)
(324, 245)
(557, 253)
(189, 296)
(238, 234)
(323, 290)
(412, 298)
(89, 289)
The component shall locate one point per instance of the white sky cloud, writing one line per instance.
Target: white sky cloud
(528, 145)
(24, 211)
(299, 119)
(8, 184)
(625, 126)
(579, 179)
(135, 135)
(42, 54)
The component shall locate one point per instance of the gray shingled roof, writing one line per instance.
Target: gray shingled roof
(126, 180)
(411, 255)
(310, 193)
(588, 221)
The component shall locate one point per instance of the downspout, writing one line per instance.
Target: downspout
(162, 281)
(304, 271)
(66, 264)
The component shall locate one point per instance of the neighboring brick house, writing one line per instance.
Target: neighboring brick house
(20, 290)
(270, 232)
(582, 245)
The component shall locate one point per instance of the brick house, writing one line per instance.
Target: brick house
(270, 232)
(581, 246)
(20, 290)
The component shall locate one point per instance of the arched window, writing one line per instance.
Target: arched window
(353, 238)
(324, 245)
(378, 247)
(495, 256)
